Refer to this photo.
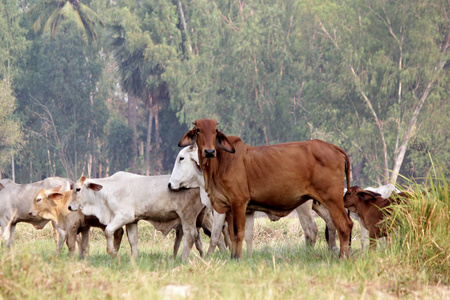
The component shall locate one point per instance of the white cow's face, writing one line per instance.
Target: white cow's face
(186, 171)
(78, 200)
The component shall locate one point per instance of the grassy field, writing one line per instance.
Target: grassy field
(414, 265)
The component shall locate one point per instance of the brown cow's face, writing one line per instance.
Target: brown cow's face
(44, 203)
(206, 131)
(208, 138)
(356, 194)
(351, 197)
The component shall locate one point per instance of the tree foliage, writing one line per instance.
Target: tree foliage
(369, 76)
(48, 15)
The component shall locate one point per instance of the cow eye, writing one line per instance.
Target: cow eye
(77, 190)
(198, 129)
(181, 158)
(38, 200)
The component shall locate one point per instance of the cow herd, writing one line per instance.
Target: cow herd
(217, 183)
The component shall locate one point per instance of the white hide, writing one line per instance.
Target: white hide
(125, 198)
(16, 200)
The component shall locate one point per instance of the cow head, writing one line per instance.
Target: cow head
(208, 137)
(186, 171)
(77, 201)
(44, 202)
(356, 194)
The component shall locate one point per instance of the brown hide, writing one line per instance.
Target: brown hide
(371, 207)
(53, 205)
(275, 179)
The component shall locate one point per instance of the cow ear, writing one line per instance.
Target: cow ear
(94, 186)
(368, 195)
(54, 198)
(223, 143)
(55, 189)
(188, 139)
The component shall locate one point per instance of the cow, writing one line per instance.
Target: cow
(371, 207)
(125, 198)
(16, 200)
(187, 173)
(52, 204)
(385, 191)
(274, 179)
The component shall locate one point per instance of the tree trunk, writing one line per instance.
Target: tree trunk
(94, 157)
(132, 122)
(148, 142)
(400, 154)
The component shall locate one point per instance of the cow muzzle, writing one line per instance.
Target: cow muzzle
(210, 153)
(172, 188)
(73, 207)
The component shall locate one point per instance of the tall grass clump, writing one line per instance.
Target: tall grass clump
(422, 236)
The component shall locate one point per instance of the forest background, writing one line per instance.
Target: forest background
(93, 87)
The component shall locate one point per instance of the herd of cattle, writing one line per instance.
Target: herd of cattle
(217, 183)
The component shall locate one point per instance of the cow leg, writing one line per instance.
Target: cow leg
(249, 225)
(132, 234)
(190, 235)
(229, 219)
(178, 237)
(239, 217)
(62, 235)
(118, 234)
(217, 227)
(364, 232)
(226, 235)
(84, 245)
(323, 212)
(364, 237)
(342, 223)
(8, 234)
(71, 241)
(307, 221)
(117, 222)
(198, 243)
(6, 231)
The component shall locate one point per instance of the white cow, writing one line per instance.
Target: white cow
(187, 174)
(16, 200)
(125, 198)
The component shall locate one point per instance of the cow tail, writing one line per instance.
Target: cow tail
(347, 165)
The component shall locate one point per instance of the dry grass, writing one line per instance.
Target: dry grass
(281, 268)
(414, 265)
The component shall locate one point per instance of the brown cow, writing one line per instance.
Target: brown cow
(273, 179)
(52, 204)
(371, 208)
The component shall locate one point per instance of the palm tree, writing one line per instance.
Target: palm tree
(50, 14)
(135, 70)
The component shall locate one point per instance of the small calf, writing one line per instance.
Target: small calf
(52, 204)
(369, 206)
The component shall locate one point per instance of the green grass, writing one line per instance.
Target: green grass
(414, 264)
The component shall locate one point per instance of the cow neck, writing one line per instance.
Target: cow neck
(63, 206)
(209, 167)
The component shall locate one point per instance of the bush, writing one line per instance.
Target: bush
(421, 239)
